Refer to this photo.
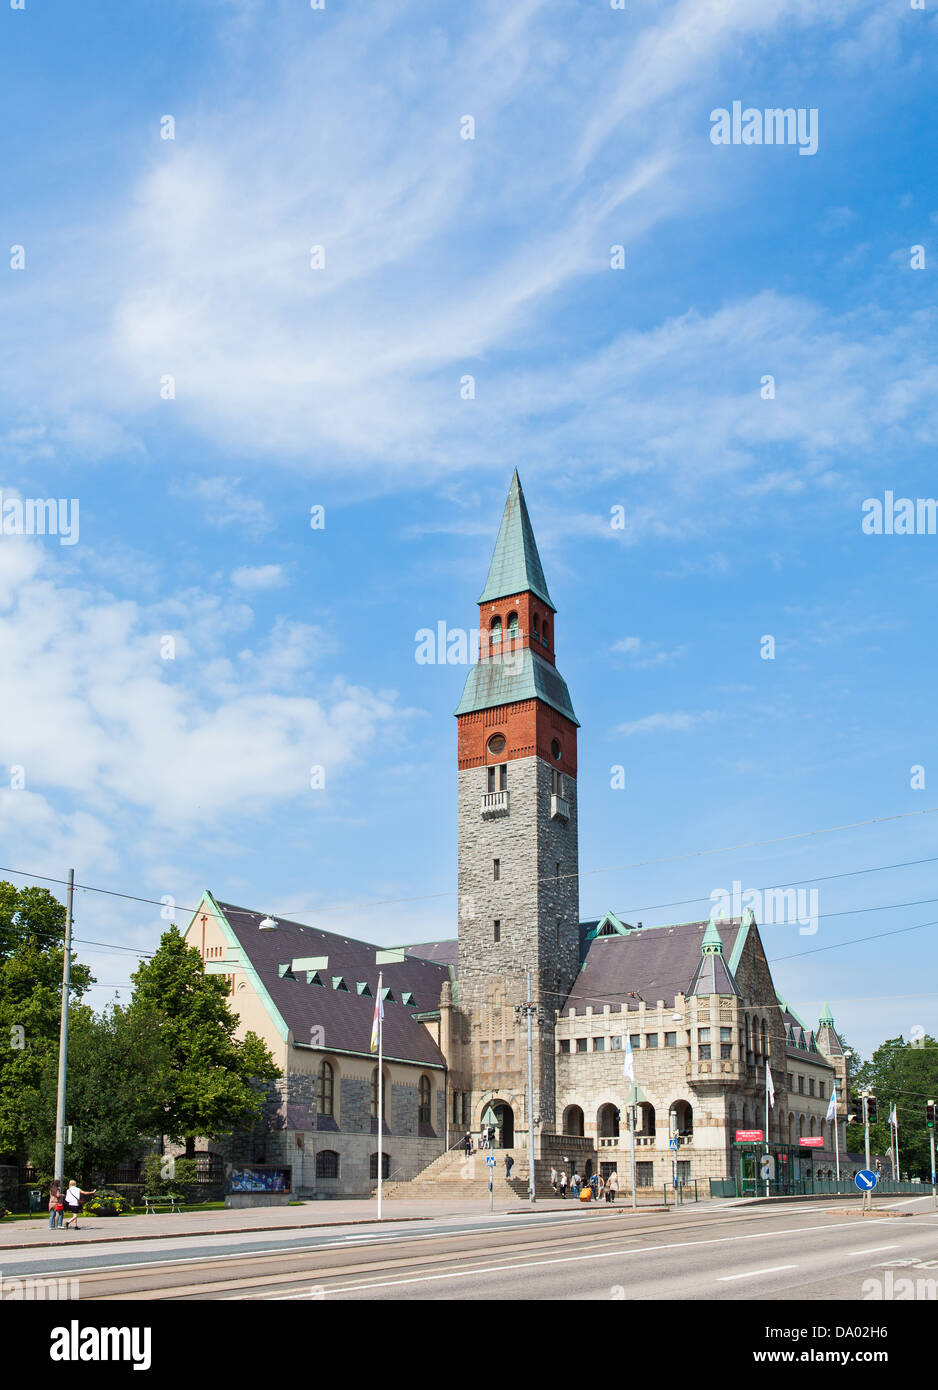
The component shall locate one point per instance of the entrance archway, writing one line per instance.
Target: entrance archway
(500, 1114)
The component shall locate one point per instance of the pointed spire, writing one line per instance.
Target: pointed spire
(516, 565)
(712, 943)
(826, 1017)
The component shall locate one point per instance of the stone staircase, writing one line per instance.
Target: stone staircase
(453, 1176)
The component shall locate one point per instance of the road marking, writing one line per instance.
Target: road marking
(753, 1273)
(560, 1260)
(874, 1251)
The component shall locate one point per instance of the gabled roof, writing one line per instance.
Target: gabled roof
(516, 566)
(655, 962)
(343, 1014)
(518, 675)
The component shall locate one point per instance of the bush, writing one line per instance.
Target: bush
(180, 1173)
(3, 1211)
(106, 1202)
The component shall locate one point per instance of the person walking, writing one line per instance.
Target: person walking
(467, 1143)
(74, 1197)
(484, 1137)
(56, 1206)
(509, 1164)
(553, 1180)
(575, 1184)
(563, 1186)
(596, 1183)
(612, 1187)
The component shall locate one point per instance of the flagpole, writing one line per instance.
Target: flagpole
(380, 1094)
(896, 1133)
(836, 1135)
(767, 1122)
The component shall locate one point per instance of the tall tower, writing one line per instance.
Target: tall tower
(517, 805)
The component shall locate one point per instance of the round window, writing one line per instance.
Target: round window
(555, 751)
(497, 743)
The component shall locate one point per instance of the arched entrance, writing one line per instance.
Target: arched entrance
(500, 1114)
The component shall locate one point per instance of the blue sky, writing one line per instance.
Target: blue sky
(340, 387)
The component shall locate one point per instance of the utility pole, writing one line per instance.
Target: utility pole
(632, 1120)
(528, 1010)
(866, 1124)
(930, 1121)
(63, 1036)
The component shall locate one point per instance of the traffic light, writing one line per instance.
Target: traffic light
(871, 1109)
(930, 1114)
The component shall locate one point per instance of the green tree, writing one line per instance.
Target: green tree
(208, 1087)
(32, 935)
(117, 1068)
(904, 1074)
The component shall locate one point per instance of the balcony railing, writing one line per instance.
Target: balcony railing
(494, 804)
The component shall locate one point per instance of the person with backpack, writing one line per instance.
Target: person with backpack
(509, 1164)
(563, 1186)
(575, 1184)
(612, 1187)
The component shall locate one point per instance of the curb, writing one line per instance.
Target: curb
(225, 1231)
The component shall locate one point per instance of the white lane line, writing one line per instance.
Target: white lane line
(560, 1260)
(874, 1251)
(752, 1273)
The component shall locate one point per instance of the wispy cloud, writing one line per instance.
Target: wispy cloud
(676, 723)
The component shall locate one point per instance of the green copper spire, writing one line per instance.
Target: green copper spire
(826, 1017)
(711, 944)
(516, 565)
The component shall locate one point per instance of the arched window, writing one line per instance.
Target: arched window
(326, 1089)
(801, 1133)
(455, 1107)
(681, 1118)
(423, 1107)
(765, 1039)
(513, 623)
(573, 1120)
(607, 1122)
(544, 634)
(791, 1127)
(645, 1115)
(813, 1127)
(495, 635)
(327, 1164)
(374, 1097)
(537, 630)
(385, 1166)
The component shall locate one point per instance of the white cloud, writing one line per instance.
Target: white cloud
(666, 723)
(258, 577)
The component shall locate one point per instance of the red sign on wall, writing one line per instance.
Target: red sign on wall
(812, 1142)
(748, 1136)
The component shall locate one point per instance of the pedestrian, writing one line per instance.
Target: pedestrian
(484, 1137)
(553, 1180)
(563, 1186)
(575, 1184)
(509, 1164)
(467, 1143)
(612, 1187)
(596, 1183)
(491, 1136)
(73, 1200)
(56, 1206)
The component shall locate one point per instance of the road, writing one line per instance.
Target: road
(789, 1252)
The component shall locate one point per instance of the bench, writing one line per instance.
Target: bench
(152, 1204)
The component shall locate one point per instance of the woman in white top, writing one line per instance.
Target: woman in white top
(73, 1200)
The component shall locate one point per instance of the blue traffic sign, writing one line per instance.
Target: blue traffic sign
(866, 1179)
(490, 1163)
(672, 1144)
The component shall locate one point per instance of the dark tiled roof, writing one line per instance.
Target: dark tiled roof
(443, 952)
(656, 962)
(345, 1017)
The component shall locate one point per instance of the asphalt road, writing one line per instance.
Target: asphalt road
(809, 1251)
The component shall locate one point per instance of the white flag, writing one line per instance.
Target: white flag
(628, 1064)
(893, 1119)
(832, 1106)
(769, 1088)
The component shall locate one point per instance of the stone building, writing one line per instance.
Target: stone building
(694, 1003)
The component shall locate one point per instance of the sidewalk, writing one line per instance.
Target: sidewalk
(26, 1235)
